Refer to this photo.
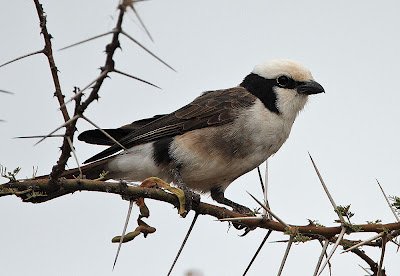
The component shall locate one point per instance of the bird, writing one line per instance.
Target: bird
(210, 142)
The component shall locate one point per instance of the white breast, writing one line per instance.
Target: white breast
(253, 137)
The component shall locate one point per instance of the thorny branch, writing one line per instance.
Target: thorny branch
(28, 189)
(41, 190)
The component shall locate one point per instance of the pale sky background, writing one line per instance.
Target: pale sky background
(352, 131)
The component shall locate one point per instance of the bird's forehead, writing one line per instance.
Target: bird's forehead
(278, 67)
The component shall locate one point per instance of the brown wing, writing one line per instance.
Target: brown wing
(212, 108)
(95, 136)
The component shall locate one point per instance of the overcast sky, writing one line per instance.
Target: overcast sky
(352, 131)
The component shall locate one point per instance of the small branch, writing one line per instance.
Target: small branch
(48, 51)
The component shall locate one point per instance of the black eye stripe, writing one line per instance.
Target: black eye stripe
(287, 82)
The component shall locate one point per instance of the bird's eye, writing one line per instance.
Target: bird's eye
(283, 81)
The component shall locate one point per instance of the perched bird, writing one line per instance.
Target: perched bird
(207, 144)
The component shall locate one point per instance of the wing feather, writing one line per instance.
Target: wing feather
(211, 109)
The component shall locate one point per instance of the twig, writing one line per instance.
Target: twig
(183, 242)
(48, 51)
(257, 251)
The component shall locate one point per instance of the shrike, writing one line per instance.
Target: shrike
(207, 144)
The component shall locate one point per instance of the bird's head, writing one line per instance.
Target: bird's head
(282, 85)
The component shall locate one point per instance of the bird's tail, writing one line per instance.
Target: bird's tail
(90, 171)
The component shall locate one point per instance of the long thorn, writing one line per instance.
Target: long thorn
(183, 243)
(366, 271)
(324, 247)
(86, 40)
(269, 211)
(136, 78)
(63, 125)
(338, 240)
(261, 180)
(39, 136)
(104, 132)
(384, 240)
(388, 202)
(128, 215)
(102, 75)
(266, 183)
(363, 242)
(75, 156)
(147, 50)
(326, 190)
(6, 92)
(258, 251)
(21, 57)
(142, 23)
(285, 256)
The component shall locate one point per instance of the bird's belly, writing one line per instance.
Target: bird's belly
(137, 164)
(209, 160)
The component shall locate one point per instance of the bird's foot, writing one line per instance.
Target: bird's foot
(243, 210)
(192, 199)
(186, 197)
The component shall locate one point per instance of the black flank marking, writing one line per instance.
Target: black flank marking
(263, 89)
(161, 151)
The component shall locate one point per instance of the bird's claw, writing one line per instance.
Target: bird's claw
(185, 197)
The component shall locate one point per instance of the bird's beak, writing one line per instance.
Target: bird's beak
(310, 87)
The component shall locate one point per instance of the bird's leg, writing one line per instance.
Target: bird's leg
(219, 197)
(157, 182)
(191, 197)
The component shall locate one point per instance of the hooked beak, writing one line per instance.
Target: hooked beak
(310, 87)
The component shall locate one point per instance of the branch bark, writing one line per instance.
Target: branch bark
(39, 190)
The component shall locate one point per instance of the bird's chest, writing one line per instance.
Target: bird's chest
(223, 153)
